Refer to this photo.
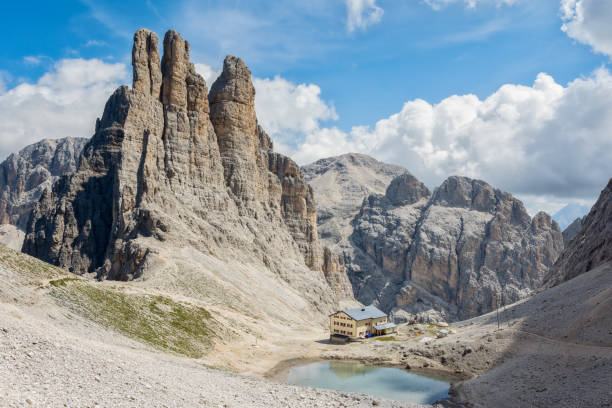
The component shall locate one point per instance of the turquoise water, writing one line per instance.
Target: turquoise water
(384, 382)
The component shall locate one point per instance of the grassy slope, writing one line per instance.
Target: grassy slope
(152, 319)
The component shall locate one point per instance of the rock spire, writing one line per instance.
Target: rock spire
(171, 166)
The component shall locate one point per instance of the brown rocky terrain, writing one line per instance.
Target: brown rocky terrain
(25, 175)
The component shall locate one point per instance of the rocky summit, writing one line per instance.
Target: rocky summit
(572, 230)
(340, 185)
(25, 175)
(590, 246)
(175, 172)
(455, 253)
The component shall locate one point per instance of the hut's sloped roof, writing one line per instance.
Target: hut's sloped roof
(366, 312)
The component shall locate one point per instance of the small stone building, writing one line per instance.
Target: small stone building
(360, 322)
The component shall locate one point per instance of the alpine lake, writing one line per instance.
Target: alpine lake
(383, 382)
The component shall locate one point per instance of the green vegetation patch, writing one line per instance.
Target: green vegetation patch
(155, 320)
(385, 338)
(57, 283)
(27, 267)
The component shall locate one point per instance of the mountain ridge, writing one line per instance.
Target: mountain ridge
(591, 246)
(444, 255)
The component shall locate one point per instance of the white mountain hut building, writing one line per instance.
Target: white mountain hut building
(360, 323)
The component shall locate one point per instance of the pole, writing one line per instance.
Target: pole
(497, 310)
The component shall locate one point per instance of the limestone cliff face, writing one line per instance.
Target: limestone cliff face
(454, 254)
(449, 255)
(572, 230)
(172, 166)
(232, 101)
(25, 175)
(297, 208)
(591, 246)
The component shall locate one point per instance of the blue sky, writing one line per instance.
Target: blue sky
(364, 66)
(414, 52)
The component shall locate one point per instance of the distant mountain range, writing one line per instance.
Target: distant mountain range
(569, 213)
(455, 253)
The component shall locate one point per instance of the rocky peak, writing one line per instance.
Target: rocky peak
(25, 175)
(468, 193)
(350, 162)
(591, 246)
(572, 230)
(543, 221)
(234, 84)
(340, 184)
(182, 87)
(147, 75)
(452, 256)
(477, 195)
(232, 112)
(405, 190)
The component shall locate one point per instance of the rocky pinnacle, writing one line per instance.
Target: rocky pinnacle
(171, 166)
(147, 75)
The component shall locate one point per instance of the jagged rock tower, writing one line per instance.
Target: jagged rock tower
(172, 166)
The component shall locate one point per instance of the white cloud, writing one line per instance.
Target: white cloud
(63, 102)
(440, 4)
(208, 73)
(287, 111)
(544, 139)
(33, 59)
(362, 13)
(96, 43)
(589, 22)
(547, 143)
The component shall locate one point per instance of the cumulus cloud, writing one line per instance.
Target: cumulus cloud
(440, 4)
(544, 139)
(63, 102)
(208, 73)
(362, 13)
(589, 22)
(287, 111)
(67, 100)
